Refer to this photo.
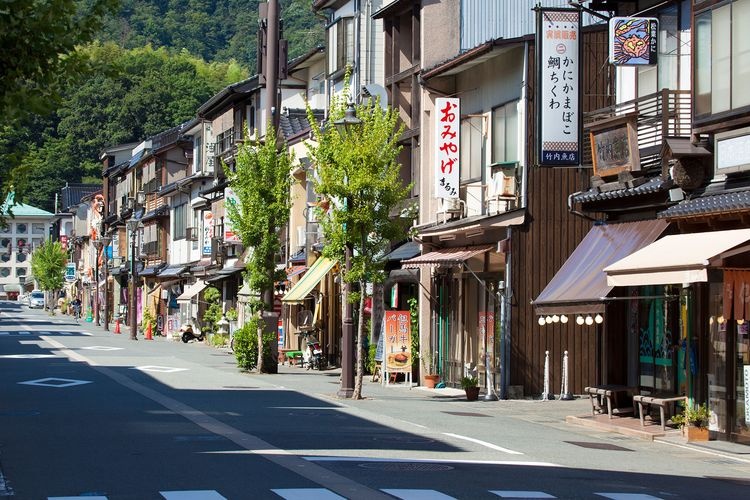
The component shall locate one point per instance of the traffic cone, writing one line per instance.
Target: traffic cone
(149, 336)
(117, 325)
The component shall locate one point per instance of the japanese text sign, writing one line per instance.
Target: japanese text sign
(558, 36)
(447, 147)
(633, 41)
(398, 341)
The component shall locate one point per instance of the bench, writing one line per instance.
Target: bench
(609, 399)
(661, 402)
(292, 356)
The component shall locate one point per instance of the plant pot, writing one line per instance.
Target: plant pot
(431, 380)
(694, 433)
(472, 393)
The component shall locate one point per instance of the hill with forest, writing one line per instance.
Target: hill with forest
(151, 65)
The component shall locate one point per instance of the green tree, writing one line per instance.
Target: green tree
(40, 58)
(261, 182)
(213, 312)
(48, 266)
(359, 173)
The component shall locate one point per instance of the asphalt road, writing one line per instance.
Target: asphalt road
(89, 414)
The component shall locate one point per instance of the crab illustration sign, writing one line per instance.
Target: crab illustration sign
(633, 41)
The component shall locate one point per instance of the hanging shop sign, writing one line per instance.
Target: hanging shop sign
(447, 146)
(633, 41)
(559, 116)
(398, 341)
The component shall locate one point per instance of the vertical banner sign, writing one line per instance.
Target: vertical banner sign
(398, 341)
(558, 49)
(447, 151)
(229, 235)
(633, 41)
(487, 331)
(208, 231)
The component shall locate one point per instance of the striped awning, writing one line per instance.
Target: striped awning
(446, 257)
(309, 281)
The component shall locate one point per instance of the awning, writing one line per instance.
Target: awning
(581, 284)
(408, 250)
(150, 270)
(681, 258)
(309, 281)
(294, 271)
(172, 271)
(447, 257)
(192, 291)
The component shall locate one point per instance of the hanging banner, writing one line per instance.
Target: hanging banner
(229, 235)
(208, 231)
(398, 341)
(487, 332)
(447, 147)
(558, 57)
(633, 41)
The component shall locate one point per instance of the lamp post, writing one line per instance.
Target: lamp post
(132, 308)
(347, 126)
(97, 246)
(105, 244)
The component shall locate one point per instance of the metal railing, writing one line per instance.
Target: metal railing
(667, 113)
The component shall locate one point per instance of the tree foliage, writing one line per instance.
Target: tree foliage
(48, 265)
(358, 172)
(261, 182)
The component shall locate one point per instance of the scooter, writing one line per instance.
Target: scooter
(313, 355)
(188, 334)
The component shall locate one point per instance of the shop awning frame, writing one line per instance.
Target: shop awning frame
(580, 286)
(191, 291)
(445, 257)
(310, 280)
(678, 259)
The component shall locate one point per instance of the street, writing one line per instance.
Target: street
(91, 414)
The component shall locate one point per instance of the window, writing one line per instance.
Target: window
(180, 219)
(21, 257)
(5, 257)
(37, 228)
(20, 271)
(4, 243)
(4, 272)
(22, 228)
(20, 244)
(341, 36)
(471, 149)
(505, 133)
(722, 58)
(198, 154)
(4, 228)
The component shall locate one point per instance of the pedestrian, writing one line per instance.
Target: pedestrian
(76, 308)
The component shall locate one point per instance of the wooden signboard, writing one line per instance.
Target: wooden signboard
(614, 146)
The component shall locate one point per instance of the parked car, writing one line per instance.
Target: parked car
(36, 299)
(23, 298)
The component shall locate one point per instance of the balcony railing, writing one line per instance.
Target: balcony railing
(667, 113)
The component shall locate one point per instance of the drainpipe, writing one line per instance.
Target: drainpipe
(505, 317)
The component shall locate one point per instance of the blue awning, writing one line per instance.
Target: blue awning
(172, 271)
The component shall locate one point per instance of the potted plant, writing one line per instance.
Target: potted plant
(693, 421)
(471, 386)
(431, 378)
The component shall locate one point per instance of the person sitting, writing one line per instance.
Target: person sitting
(76, 308)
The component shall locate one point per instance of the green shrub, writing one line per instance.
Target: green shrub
(371, 363)
(211, 317)
(148, 319)
(246, 346)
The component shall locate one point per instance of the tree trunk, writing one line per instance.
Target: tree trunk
(360, 342)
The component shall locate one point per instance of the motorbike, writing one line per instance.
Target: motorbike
(313, 354)
(188, 334)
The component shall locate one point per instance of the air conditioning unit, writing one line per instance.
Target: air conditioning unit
(451, 205)
(502, 185)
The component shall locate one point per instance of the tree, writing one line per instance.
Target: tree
(360, 175)
(261, 182)
(40, 57)
(48, 265)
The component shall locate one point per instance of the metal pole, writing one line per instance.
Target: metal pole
(96, 283)
(132, 309)
(272, 63)
(347, 332)
(106, 292)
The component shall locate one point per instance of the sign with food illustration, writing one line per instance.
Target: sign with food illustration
(398, 341)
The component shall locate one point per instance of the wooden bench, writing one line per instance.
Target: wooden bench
(661, 402)
(609, 399)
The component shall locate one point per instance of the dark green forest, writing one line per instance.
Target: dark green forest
(150, 65)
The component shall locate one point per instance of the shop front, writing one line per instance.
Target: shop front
(700, 345)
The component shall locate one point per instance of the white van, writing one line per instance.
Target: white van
(36, 299)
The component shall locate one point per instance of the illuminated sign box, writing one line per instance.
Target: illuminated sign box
(732, 151)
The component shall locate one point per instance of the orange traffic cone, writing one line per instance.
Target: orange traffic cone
(117, 325)
(149, 336)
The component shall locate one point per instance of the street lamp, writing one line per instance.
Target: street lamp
(347, 127)
(102, 243)
(133, 225)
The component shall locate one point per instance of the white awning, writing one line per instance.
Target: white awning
(680, 258)
(192, 291)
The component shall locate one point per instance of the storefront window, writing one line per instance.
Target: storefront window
(717, 361)
(658, 337)
(742, 414)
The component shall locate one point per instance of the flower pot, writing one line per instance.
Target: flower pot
(694, 433)
(472, 393)
(431, 380)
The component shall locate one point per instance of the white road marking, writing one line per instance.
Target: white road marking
(307, 494)
(69, 353)
(429, 461)
(27, 356)
(418, 494)
(55, 382)
(192, 495)
(103, 348)
(484, 443)
(627, 496)
(158, 369)
(74, 498)
(521, 494)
